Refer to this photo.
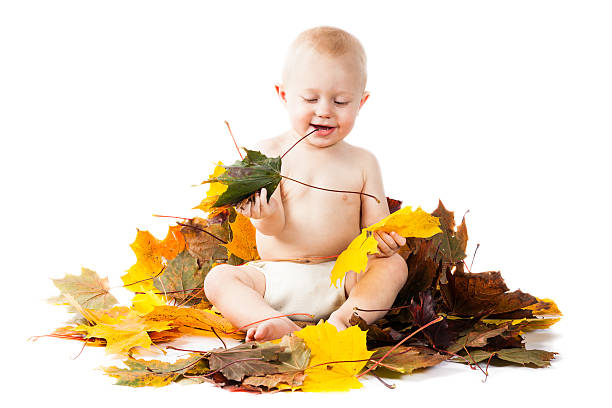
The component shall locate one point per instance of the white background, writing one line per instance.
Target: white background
(110, 112)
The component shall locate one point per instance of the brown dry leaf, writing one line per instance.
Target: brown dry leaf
(477, 337)
(407, 359)
(205, 239)
(291, 380)
(485, 292)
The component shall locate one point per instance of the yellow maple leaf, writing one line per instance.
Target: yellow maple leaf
(328, 345)
(408, 223)
(214, 191)
(194, 321)
(405, 222)
(151, 256)
(123, 332)
(544, 307)
(355, 257)
(243, 239)
(144, 303)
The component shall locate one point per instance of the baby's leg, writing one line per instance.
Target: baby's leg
(375, 288)
(237, 291)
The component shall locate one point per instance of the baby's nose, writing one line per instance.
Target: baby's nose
(323, 109)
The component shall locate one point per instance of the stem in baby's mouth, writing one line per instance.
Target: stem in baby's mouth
(304, 137)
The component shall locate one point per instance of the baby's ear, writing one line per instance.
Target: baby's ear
(280, 91)
(364, 98)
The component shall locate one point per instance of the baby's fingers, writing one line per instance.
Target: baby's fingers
(263, 195)
(388, 239)
(256, 207)
(401, 241)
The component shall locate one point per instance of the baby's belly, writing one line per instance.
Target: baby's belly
(311, 233)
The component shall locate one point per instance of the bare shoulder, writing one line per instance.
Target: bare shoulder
(271, 147)
(366, 158)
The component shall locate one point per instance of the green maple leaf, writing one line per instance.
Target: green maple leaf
(245, 177)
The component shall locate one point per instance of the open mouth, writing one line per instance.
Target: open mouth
(321, 127)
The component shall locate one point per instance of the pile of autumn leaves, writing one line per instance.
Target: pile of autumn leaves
(443, 313)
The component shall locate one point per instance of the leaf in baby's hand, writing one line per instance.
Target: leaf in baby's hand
(245, 177)
(408, 223)
(405, 222)
(87, 289)
(355, 257)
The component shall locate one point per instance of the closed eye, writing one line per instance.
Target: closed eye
(341, 103)
(310, 100)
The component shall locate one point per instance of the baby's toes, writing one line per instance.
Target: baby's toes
(250, 334)
(263, 333)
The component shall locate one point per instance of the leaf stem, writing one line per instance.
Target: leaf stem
(171, 216)
(203, 230)
(269, 318)
(329, 189)
(232, 135)
(220, 339)
(437, 320)
(304, 137)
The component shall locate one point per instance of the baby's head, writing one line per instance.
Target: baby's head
(324, 80)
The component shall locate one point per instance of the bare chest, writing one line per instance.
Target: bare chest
(321, 180)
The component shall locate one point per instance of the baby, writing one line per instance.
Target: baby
(301, 230)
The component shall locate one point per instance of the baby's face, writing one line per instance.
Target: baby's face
(323, 91)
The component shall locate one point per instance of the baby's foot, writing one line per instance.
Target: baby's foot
(271, 329)
(337, 322)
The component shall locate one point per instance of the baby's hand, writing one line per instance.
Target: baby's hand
(388, 244)
(257, 205)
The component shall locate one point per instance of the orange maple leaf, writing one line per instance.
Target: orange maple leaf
(243, 239)
(151, 256)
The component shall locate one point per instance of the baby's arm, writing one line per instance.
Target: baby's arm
(267, 217)
(372, 212)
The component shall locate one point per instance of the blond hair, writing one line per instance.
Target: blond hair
(330, 41)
